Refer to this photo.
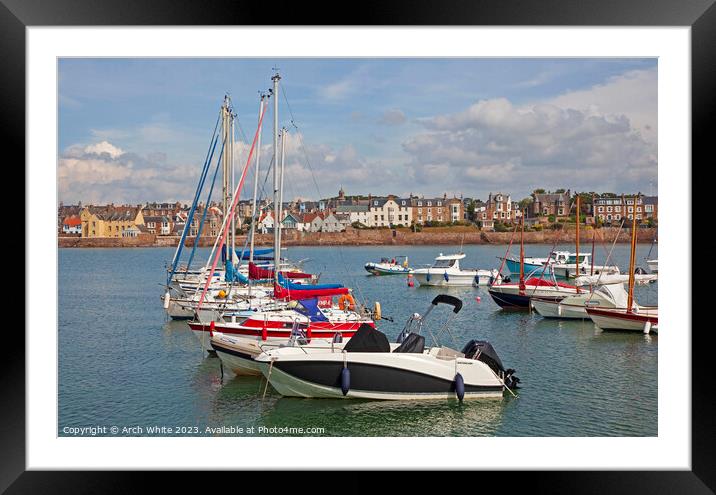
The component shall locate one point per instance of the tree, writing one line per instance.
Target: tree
(471, 210)
(525, 203)
(539, 191)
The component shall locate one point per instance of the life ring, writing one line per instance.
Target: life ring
(351, 302)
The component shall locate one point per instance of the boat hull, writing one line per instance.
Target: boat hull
(377, 269)
(557, 309)
(369, 380)
(621, 320)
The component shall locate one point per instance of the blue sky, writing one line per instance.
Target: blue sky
(135, 130)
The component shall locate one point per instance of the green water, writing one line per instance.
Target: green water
(121, 363)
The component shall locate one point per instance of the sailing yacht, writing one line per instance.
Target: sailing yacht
(630, 317)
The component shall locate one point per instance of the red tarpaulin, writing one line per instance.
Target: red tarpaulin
(546, 283)
(258, 273)
(283, 293)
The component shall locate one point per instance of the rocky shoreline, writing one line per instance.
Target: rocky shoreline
(378, 237)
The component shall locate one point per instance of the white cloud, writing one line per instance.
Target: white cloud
(103, 172)
(579, 140)
(632, 94)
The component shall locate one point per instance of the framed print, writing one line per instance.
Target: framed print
(259, 239)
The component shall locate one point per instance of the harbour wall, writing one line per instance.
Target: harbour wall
(376, 237)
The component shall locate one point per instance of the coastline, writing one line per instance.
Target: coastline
(377, 237)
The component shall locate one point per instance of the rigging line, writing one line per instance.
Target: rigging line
(318, 189)
(300, 140)
(606, 263)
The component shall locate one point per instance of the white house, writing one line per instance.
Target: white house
(356, 213)
(390, 211)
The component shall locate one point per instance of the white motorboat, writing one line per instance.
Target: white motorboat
(238, 353)
(446, 272)
(653, 265)
(575, 306)
(570, 268)
(369, 367)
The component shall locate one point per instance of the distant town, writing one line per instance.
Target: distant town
(541, 210)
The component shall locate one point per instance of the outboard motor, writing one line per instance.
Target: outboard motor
(511, 381)
(639, 271)
(483, 351)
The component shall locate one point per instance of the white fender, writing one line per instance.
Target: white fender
(167, 297)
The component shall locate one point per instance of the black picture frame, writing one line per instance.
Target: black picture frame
(700, 15)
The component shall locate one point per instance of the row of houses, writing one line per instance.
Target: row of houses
(549, 207)
(341, 212)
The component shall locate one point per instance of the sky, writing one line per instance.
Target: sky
(137, 130)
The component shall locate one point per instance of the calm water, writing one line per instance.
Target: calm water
(121, 363)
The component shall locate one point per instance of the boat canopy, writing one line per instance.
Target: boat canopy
(294, 295)
(232, 275)
(309, 308)
(294, 286)
(367, 339)
(457, 256)
(258, 273)
(608, 279)
(246, 254)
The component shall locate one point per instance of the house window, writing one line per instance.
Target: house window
(561, 211)
(609, 208)
(649, 208)
(420, 210)
(440, 203)
(420, 203)
(631, 209)
(402, 203)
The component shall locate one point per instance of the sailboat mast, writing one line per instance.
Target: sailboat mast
(224, 158)
(276, 240)
(594, 234)
(576, 261)
(256, 186)
(522, 252)
(280, 188)
(632, 258)
(231, 166)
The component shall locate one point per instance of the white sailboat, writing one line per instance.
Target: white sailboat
(630, 317)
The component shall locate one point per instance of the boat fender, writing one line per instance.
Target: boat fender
(647, 327)
(477, 280)
(211, 328)
(308, 334)
(167, 297)
(337, 338)
(447, 278)
(345, 380)
(459, 387)
(264, 333)
(377, 314)
(427, 276)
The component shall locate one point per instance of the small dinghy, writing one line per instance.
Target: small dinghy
(369, 367)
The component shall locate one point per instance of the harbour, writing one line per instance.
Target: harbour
(121, 362)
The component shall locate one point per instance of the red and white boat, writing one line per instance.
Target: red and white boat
(315, 322)
(641, 319)
(632, 317)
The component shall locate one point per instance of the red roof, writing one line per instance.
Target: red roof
(72, 221)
